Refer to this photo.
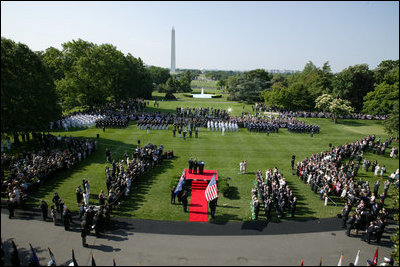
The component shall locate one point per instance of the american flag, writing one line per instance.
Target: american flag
(211, 190)
(182, 181)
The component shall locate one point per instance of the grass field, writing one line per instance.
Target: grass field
(150, 197)
(204, 84)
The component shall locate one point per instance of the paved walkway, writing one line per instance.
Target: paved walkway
(146, 242)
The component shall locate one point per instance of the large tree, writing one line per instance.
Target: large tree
(90, 74)
(249, 85)
(28, 98)
(353, 84)
(336, 106)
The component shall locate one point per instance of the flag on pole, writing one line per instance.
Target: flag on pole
(301, 263)
(73, 258)
(114, 264)
(52, 262)
(211, 190)
(181, 183)
(357, 258)
(340, 261)
(375, 260)
(93, 262)
(14, 255)
(34, 260)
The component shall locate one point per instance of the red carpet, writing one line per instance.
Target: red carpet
(198, 203)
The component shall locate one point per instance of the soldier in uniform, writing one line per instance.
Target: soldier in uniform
(213, 205)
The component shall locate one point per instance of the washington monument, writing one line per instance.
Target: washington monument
(173, 50)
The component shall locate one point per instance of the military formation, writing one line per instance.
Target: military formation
(113, 122)
(263, 127)
(302, 128)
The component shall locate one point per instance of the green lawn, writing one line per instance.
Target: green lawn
(150, 197)
(204, 84)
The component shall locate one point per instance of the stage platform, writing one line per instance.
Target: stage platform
(205, 176)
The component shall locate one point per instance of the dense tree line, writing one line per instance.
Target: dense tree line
(37, 86)
(28, 96)
(87, 74)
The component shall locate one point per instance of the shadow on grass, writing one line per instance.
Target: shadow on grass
(222, 219)
(143, 184)
(55, 181)
(233, 193)
(355, 123)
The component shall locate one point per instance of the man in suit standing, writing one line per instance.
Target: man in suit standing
(190, 165)
(195, 166)
(184, 199)
(213, 206)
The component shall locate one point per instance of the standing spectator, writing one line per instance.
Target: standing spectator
(84, 230)
(184, 199)
(241, 167)
(245, 166)
(10, 205)
(383, 170)
(78, 195)
(66, 218)
(213, 205)
(56, 201)
(87, 188)
(102, 198)
(86, 198)
(173, 195)
(53, 213)
(44, 207)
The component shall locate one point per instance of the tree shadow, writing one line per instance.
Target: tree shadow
(355, 123)
(143, 184)
(224, 218)
(233, 193)
(254, 225)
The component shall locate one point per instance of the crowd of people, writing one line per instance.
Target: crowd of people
(272, 193)
(222, 125)
(154, 121)
(28, 170)
(327, 176)
(261, 107)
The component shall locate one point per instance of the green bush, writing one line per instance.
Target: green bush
(216, 96)
(188, 95)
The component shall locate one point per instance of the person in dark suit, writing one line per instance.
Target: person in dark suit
(84, 232)
(66, 218)
(213, 206)
(195, 166)
(380, 227)
(350, 224)
(370, 230)
(345, 215)
(190, 165)
(10, 205)
(173, 194)
(184, 199)
(44, 207)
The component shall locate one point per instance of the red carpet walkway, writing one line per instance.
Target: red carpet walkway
(198, 202)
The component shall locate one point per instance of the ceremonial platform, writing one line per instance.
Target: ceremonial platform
(205, 176)
(198, 204)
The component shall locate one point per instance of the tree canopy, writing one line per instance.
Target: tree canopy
(28, 96)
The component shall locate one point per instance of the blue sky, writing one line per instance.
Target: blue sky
(217, 35)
